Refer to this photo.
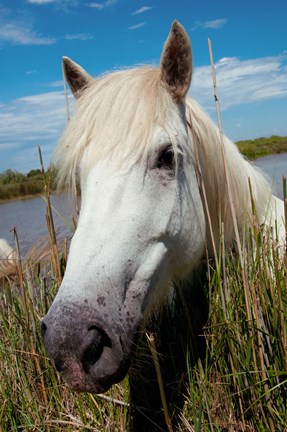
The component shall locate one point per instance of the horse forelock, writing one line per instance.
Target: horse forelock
(115, 118)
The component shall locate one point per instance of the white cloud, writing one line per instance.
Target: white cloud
(79, 36)
(27, 122)
(214, 24)
(142, 10)
(16, 30)
(95, 5)
(20, 35)
(56, 84)
(137, 26)
(100, 6)
(63, 4)
(242, 81)
(40, 2)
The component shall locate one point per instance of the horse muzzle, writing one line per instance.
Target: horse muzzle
(84, 348)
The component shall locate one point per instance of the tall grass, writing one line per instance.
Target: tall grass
(32, 398)
(240, 386)
(243, 383)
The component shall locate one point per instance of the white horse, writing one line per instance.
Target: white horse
(157, 184)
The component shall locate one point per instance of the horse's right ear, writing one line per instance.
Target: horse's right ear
(77, 78)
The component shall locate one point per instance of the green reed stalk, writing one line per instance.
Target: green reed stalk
(152, 347)
(50, 220)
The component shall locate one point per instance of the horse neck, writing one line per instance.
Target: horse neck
(221, 167)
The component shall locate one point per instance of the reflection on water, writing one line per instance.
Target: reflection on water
(275, 166)
(29, 216)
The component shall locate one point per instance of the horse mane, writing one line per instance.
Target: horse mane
(217, 160)
(107, 123)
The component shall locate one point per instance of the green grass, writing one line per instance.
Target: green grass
(260, 147)
(243, 383)
(32, 397)
(240, 386)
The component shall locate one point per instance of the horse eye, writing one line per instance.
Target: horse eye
(166, 159)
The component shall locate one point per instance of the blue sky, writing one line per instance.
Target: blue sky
(249, 40)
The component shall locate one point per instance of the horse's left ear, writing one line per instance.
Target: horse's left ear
(77, 78)
(176, 62)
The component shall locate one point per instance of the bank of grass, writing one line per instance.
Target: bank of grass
(240, 386)
(14, 184)
(259, 147)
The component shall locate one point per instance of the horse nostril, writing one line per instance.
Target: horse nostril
(96, 340)
(59, 365)
(43, 329)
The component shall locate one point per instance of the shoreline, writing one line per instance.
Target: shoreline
(20, 198)
(28, 197)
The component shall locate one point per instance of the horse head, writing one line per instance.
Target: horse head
(141, 223)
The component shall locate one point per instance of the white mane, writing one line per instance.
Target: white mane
(206, 138)
(116, 116)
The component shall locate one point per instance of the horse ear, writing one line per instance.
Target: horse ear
(77, 78)
(176, 62)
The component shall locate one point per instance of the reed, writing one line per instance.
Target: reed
(241, 385)
(245, 369)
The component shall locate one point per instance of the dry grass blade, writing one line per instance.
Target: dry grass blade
(50, 222)
(20, 274)
(110, 399)
(66, 93)
(152, 347)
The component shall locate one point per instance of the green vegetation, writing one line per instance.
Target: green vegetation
(32, 398)
(13, 184)
(241, 385)
(260, 147)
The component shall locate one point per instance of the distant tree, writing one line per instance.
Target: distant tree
(33, 172)
(10, 176)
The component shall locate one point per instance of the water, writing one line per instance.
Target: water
(275, 166)
(29, 215)
(29, 218)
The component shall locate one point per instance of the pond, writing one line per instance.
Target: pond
(29, 218)
(275, 167)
